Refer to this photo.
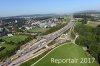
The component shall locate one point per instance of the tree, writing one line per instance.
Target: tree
(89, 37)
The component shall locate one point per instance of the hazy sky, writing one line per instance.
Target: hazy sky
(21, 7)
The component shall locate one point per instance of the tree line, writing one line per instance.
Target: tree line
(90, 38)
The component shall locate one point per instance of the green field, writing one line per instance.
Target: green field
(7, 47)
(7, 51)
(93, 24)
(16, 38)
(67, 51)
(38, 30)
(11, 45)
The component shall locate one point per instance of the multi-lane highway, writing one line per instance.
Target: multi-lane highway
(28, 52)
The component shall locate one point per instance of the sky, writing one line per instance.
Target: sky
(24, 7)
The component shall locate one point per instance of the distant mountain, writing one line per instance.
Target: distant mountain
(41, 15)
(88, 12)
(34, 16)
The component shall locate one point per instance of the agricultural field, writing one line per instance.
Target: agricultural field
(7, 47)
(15, 39)
(67, 51)
(11, 44)
(38, 30)
(93, 24)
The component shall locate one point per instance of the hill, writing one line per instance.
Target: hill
(88, 12)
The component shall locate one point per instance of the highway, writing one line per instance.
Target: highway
(28, 51)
